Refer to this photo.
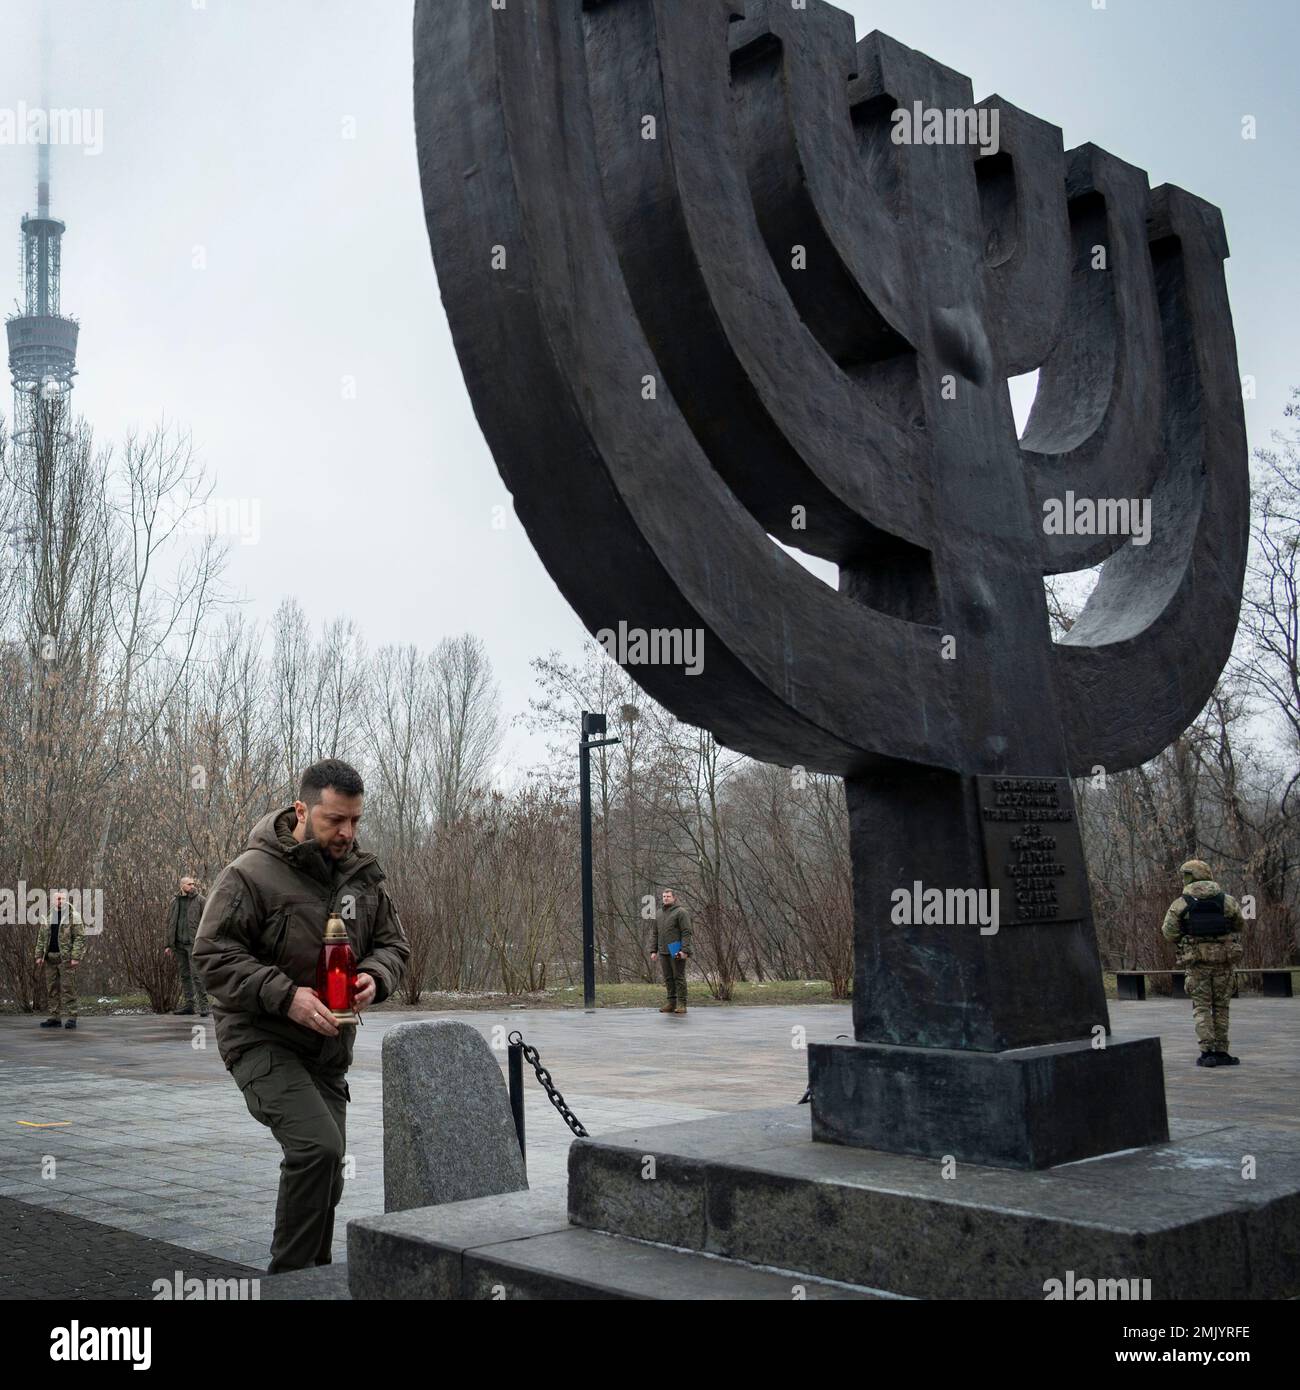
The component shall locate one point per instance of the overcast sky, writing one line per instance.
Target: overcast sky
(247, 255)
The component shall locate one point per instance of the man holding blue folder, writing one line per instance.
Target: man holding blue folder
(670, 945)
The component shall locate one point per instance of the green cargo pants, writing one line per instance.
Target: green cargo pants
(674, 968)
(191, 981)
(60, 989)
(306, 1111)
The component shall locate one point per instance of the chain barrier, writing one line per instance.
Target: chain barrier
(533, 1058)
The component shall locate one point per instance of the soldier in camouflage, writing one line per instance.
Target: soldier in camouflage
(1207, 924)
(59, 946)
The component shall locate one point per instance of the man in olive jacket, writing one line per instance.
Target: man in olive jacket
(182, 924)
(670, 927)
(257, 950)
(59, 944)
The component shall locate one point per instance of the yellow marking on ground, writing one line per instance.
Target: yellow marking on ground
(52, 1124)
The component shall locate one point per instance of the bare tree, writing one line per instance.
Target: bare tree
(467, 722)
(162, 593)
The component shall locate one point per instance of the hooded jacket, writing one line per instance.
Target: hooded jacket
(671, 924)
(1226, 950)
(261, 933)
(183, 918)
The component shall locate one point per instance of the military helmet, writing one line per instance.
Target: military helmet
(1197, 871)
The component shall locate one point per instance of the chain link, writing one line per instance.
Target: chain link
(534, 1060)
(806, 1098)
(532, 1057)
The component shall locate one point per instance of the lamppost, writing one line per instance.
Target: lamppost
(592, 724)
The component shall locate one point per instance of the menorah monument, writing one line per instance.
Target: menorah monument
(710, 290)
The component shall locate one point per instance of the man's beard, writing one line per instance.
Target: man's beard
(310, 834)
(327, 851)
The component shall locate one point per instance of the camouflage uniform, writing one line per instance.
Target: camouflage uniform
(60, 983)
(1209, 962)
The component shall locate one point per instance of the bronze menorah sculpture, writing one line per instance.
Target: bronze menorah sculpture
(703, 297)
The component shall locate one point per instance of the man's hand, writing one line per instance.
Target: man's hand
(167, 950)
(306, 1010)
(654, 955)
(39, 958)
(365, 995)
(72, 964)
(683, 955)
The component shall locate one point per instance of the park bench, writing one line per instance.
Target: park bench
(1132, 984)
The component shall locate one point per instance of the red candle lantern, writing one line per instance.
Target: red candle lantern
(336, 973)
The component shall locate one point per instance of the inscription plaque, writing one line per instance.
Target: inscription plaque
(1032, 848)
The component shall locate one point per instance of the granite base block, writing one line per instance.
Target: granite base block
(756, 1188)
(1033, 1107)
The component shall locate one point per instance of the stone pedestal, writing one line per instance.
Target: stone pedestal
(1030, 1107)
(976, 1023)
(747, 1206)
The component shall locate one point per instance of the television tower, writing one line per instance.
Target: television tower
(42, 340)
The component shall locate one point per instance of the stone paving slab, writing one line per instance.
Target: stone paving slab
(154, 1136)
(52, 1254)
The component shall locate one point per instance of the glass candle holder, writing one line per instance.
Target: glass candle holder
(336, 973)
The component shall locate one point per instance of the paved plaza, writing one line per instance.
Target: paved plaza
(128, 1124)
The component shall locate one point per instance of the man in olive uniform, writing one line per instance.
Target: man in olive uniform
(672, 926)
(257, 949)
(1207, 924)
(182, 924)
(59, 944)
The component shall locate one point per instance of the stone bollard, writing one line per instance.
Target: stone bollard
(448, 1131)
